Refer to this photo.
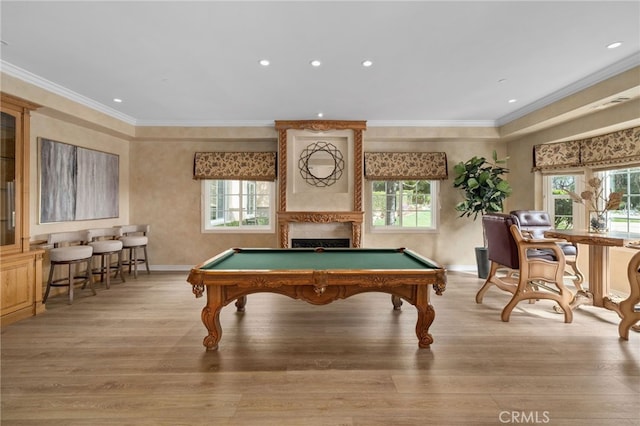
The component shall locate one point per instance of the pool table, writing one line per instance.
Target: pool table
(317, 276)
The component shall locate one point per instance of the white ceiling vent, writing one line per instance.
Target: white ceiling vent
(612, 102)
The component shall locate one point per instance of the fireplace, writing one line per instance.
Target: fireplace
(320, 242)
(327, 226)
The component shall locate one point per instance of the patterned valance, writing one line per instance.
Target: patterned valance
(556, 155)
(235, 165)
(405, 165)
(622, 146)
(617, 147)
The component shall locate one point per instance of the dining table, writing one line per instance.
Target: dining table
(599, 291)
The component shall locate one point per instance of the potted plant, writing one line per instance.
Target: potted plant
(484, 190)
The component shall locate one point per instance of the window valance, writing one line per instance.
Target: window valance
(556, 155)
(405, 165)
(235, 165)
(612, 148)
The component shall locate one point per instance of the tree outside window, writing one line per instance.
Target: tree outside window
(403, 204)
(234, 204)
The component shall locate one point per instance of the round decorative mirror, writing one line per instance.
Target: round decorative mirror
(321, 164)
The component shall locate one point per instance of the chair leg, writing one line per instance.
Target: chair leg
(71, 275)
(106, 269)
(49, 281)
(146, 260)
(89, 277)
(488, 283)
(579, 277)
(119, 270)
(134, 260)
(129, 257)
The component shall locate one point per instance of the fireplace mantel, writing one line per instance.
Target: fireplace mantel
(352, 217)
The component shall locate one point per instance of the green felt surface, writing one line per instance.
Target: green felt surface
(251, 259)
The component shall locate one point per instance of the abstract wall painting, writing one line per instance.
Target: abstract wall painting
(77, 183)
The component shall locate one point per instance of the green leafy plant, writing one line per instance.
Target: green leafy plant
(483, 186)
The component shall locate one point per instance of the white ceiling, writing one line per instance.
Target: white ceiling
(196, 63)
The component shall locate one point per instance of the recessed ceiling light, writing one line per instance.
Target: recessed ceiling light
(513, 101)
(264, 62)
(320, 115)
(315, 63)
(117, 100)
(367, 63)
(614, 45)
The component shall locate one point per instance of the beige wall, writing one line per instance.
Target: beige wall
(453, 244)
(157, 186)
(62, 131)
(165, 195)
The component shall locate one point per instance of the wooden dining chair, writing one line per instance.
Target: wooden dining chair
(630, 307)
(535, 223)
(528, 268)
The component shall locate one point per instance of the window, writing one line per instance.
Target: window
(627, 181)
(564, 213)
(237, 205)
(404, 205)
(567, 214)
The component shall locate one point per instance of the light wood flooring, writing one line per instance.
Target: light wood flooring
(133, 355)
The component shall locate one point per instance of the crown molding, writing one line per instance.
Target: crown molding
(431, 123)
(590, 80)
(52, 87)
(57, 89)
(597, 77)
(204, 123)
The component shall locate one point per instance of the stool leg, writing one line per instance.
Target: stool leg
(130, 259)
(89, 276)
(102, 270)
(71, 283)
(134, 260)
(106, 259)
(49, 281)
(120, 253)
(146, 260)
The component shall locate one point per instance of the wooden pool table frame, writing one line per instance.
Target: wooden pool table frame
(318, 287)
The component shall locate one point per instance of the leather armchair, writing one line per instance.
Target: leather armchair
(528, 268)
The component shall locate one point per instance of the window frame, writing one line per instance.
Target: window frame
(606, 176)
(579, 211)
(382, 229)
(205, 210)
(581, 176)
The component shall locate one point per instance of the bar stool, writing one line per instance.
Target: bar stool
(134, 238)
(105, 245)
(69, 249)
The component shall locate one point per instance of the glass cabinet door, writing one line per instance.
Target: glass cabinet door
(8, 180)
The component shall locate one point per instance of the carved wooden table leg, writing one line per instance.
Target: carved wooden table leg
(211, 317)
(241, 302)
(397, 302)
(426, 315)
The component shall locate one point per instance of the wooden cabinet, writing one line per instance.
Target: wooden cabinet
(20, 267)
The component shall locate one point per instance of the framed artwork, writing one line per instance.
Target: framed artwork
(77, 183)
